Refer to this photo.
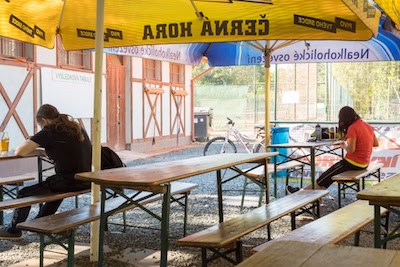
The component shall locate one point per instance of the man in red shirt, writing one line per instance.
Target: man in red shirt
(360, 138)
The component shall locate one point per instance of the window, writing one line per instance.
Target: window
(152, 69)
(14, 48)
(177, 73)
(79, 59)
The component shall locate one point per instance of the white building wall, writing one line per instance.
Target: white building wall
(188, 119)
(46, 56)
(137, 100)
(12, 78)
(166, 110)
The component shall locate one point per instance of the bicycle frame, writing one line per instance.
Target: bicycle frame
(241, 139)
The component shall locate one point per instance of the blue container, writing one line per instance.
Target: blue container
(280, 135)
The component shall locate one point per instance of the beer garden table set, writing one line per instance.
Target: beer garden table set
(6, 155)
(156, 178)
(384, 194)
(307, 152)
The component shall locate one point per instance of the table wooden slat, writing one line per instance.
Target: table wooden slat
(282, 254)
(307, 144)
(396, 261)
(166, 172)
(386, 192)
(296, 254)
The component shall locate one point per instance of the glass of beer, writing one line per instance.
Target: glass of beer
(4, 142)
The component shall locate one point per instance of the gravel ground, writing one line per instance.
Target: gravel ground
(203, 213)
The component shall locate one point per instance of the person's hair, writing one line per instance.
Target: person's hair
(63, 122)
(347, 116)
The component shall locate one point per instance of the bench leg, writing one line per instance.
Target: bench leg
(165, 225)
(357, 239)
(243, 193)
(204, 257)
(377, 226)
(124, 221)
(239, 252)
(71, 247)
(185, 214)
(1, 199)
(339, 195)
(41, 250)
(287, 181)
(293, 220)
(379, 175)
(76, 202)
(386, 227)
(223, 253)
(59, 240)
(302, 176)
(318, 208)
(269, 231)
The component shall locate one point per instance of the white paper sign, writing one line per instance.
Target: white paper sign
(71, 92)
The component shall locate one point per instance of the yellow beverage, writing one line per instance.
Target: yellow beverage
(4, 144)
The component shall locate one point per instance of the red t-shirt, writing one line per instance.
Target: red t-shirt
(363, 134)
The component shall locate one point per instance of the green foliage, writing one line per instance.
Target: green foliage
(237, 75)
(374, 87)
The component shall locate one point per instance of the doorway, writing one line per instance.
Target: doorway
(115, 102)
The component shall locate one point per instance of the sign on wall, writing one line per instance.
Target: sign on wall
(72, 92)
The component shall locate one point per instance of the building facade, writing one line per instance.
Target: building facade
(146, 102)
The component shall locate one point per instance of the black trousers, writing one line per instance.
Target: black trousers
(325, 180)
(53, 184)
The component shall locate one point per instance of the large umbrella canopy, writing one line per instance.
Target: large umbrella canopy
(391, 8)
(185, 21)
(384, 47)
(140, 22)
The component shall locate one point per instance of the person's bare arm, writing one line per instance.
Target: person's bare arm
(376, 142)
(349, 145)
(28, 148)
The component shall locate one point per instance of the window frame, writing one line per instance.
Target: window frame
(65, 57)
(152, 69)
(180, 74)
(24, 50)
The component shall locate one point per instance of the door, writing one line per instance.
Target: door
(115, 102)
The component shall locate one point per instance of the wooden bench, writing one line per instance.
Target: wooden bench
(224, 238)
(13, 184)
(61, 226)
(257, 175)
(38, 199)
(334, 227)
(352, 179)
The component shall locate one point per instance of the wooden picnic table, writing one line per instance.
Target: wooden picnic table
(156, 178)
(384, 194)
(11, 156)
(309, 152)
(296, 254)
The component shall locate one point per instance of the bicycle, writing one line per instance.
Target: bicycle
(220, 144)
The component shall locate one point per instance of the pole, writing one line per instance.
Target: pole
(267, 53)
(96, 126)
(255, 96)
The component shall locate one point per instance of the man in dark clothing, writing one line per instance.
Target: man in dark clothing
(68, 145)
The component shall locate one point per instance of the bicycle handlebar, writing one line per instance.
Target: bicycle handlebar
(230, 121)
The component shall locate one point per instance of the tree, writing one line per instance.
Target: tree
(374, 87)
(236, 75)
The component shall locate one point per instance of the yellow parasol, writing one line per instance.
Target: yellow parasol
(139, 22)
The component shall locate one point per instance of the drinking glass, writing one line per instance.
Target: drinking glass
(4, 142)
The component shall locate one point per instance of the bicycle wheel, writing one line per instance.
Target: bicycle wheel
(260, 148)
(217, 145)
